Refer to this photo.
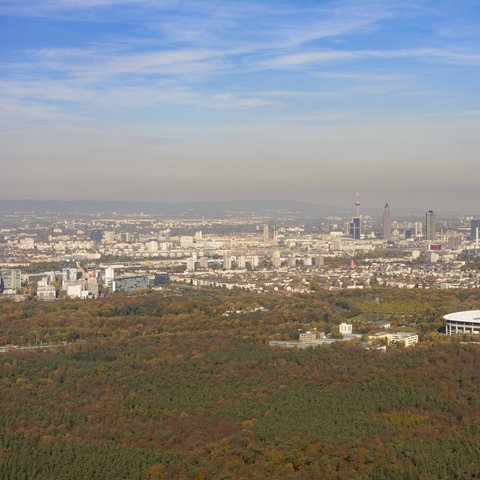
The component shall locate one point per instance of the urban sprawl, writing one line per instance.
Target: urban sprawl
(95, 256)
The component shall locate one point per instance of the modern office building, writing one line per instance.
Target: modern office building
(475, 230)
(431, 226)
(10, 279)
(161, 278)
(387, 223)
(128, 284)
(355, 228)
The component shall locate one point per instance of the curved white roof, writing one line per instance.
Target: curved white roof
(472, 316)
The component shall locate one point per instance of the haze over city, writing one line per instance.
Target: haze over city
(183, 101)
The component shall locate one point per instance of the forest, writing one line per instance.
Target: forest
(182, 384)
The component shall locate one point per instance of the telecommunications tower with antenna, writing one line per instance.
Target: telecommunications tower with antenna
(355, 226)
(357, 205)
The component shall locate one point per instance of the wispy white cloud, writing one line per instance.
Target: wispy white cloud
(325, 117)
(324, 56)
(374, 77)
(471, 112)
(48, 7)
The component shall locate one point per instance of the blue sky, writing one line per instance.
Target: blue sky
(213, 100)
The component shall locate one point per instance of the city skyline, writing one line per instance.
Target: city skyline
(181, 101)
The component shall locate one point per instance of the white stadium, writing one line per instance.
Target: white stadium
(463, 322)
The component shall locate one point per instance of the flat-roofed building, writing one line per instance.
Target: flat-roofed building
(128, 284)
(45, 291)
(10, 279)
(407, 339)
(308, 337)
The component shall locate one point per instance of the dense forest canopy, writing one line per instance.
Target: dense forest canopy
(184, 386)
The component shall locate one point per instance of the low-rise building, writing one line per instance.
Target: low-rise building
(408, 339)
(309, 337)
(129, 284)
(45, 291)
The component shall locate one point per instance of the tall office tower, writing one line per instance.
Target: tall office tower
(266, 233)
(475, 230)
(431, 225)
(355, 226)
(387, 223)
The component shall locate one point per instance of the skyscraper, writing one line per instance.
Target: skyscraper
(266, 233)
(355, 226)
(431, 226)
(475, 230)
(387, 223)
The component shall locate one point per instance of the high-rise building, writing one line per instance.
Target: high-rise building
(266, 233)
(475, 230)
(431, 226)
(355, 229)
(387, 223)
(355, 226)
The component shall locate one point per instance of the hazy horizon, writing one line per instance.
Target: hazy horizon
(218, 208)
(186, 101)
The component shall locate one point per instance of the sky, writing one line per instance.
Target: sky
(165, 100)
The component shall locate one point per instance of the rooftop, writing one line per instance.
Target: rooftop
(467, 316)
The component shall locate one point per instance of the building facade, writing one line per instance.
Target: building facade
(387, 223)
(431, 225)
(475, 230)
(128, 284)
(355, 228)
(10, 279)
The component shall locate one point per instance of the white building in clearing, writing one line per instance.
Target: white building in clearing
(45, 291)
(463, 322)
(407, 339)
(345, 328)
(309, 337)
